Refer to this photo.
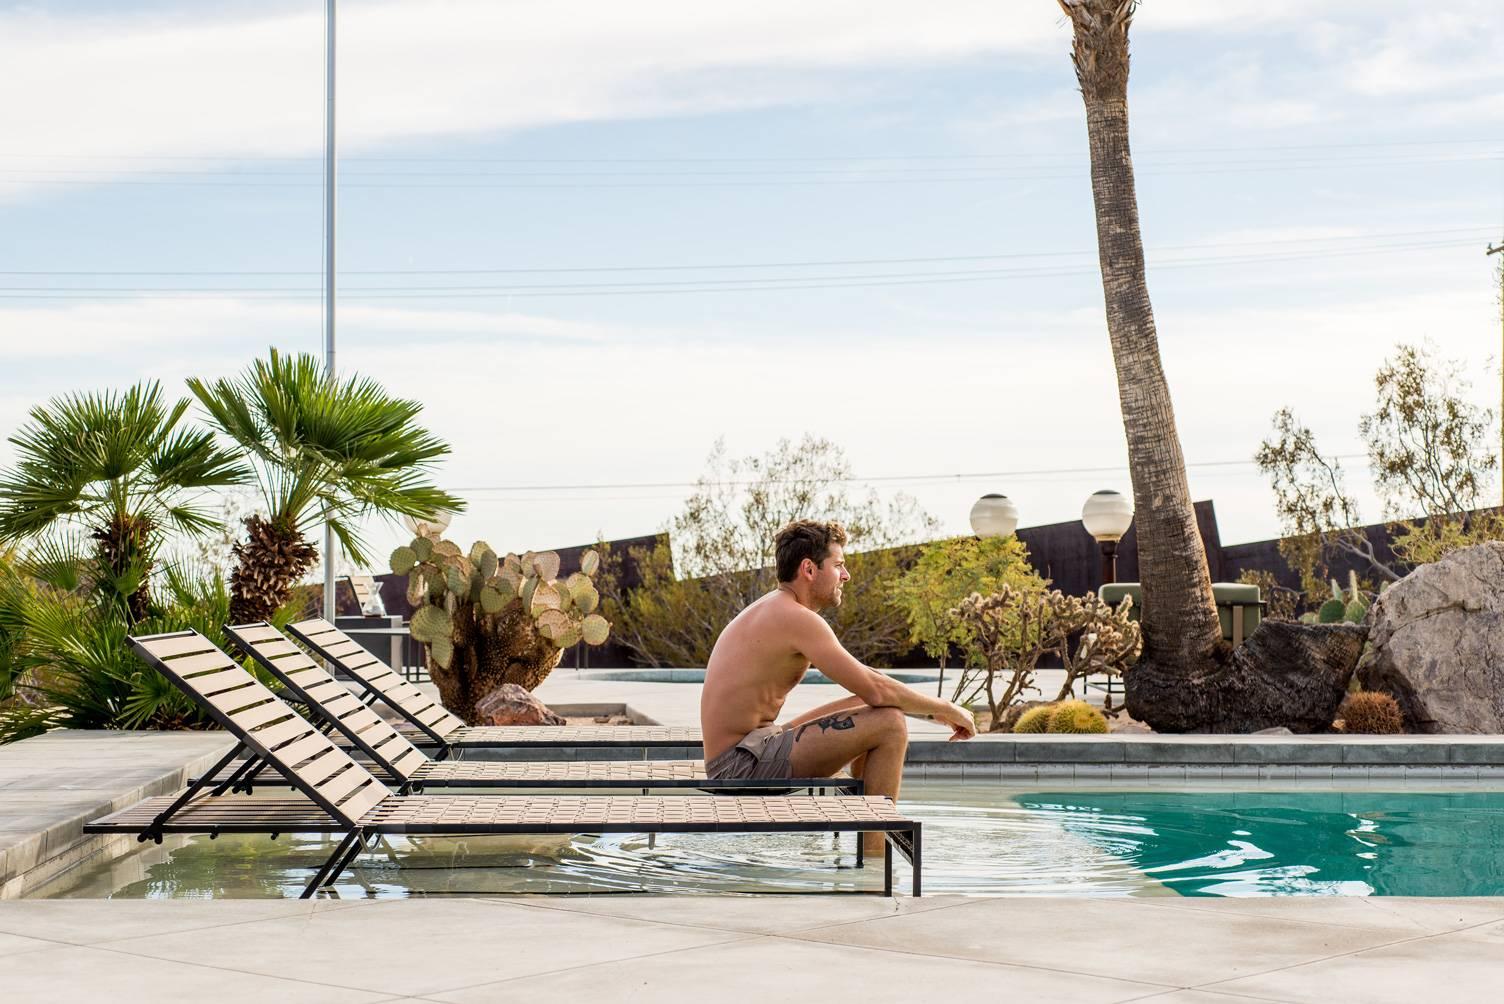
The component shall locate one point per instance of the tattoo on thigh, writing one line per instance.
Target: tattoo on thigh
(838, 722)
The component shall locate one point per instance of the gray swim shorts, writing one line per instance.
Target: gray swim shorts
(762, 753)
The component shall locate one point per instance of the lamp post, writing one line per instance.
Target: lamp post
(994, 515)
(1107, 515)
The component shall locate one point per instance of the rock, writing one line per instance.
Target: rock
(1277, 731)
(1437, 643)
(509, 704)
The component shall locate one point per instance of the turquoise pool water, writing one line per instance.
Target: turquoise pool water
(979, 840)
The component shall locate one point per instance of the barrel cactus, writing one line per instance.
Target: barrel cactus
(1370, 713)
(1076, 717)
(489, 619)
(1034, 720)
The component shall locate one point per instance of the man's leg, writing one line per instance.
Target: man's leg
(878, 737)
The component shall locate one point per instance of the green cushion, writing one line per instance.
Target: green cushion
(1227, 595)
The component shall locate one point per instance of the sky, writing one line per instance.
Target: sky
(595, 238)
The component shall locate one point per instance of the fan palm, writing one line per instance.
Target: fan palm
(323, 451)
(119, 467)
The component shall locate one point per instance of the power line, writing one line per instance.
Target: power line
(881, 479)
(829, 158)
(672, 287)
(1460, 230)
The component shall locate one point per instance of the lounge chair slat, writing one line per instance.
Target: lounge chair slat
(230, 701)
(190, 664)
(226, 676)
(280, 648)
(276, 735)
(169, 646)
(260, 632)
(304, 747)
(253, 718)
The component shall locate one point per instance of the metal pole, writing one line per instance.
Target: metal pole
(1492, 251)
(1109, 562)
(329, 192)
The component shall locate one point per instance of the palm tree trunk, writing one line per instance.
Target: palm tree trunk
(1188, 679)
(1181, 629)
(272, 558)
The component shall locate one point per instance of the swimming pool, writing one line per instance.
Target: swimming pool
(979, 840)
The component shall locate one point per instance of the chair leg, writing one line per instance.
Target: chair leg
(915, 859)
(154, 831)
(324, 872)
(860, 858)
(887, 868)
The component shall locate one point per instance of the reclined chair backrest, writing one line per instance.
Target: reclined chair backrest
(311, 684)
(349, 655)
(250, 712)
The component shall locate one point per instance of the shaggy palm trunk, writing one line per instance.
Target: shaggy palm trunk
(1188, 678)
(1181, 630)
(124, 547)
(272, 558)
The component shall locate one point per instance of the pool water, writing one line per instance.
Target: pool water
(978, 840)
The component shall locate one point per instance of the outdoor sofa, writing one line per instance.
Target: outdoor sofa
(341, 796)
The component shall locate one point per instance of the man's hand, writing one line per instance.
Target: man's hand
(958, 718)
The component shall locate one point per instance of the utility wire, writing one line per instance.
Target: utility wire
(881, 479)
(1473, 230)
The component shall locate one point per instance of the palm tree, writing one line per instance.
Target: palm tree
(323, 451)
(1180, 614)
(1187, 678)
(118, 466)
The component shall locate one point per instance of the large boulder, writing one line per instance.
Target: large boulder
(509, 704)
(1437, 643)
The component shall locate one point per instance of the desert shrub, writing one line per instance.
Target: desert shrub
(1369, 713)
(1012, 630)
(720, 556)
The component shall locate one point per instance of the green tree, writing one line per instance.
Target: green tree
(120, 468)
(1430, 457)
(322, 451)
(947, 572)
(721, 555)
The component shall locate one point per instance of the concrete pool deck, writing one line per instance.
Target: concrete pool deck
(699, 949)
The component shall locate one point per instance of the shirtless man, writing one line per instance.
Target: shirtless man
(763, 654)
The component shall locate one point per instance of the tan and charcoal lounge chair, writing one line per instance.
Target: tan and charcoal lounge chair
(412, 770)
(343, 797)
(429, 723)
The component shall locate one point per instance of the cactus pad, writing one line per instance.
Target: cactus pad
(429, 623)
(442, 651)
(595, 629)
(547, 564)
(402, 560)
(552, 624)
(422, 547)
(1331, 612)
(545, 597)
(590, 561)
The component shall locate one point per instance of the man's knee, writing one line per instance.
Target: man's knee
(891, 722)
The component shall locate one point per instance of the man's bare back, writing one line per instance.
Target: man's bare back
(752, 669)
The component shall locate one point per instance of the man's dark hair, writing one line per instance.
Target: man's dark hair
(805, 538)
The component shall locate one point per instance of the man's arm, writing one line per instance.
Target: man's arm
(834, 707)
(818, 643)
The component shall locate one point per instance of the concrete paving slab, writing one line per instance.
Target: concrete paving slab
(94, 922)
(1096, 937)
(1401, 915)
(745, 914)
(767, 968)
(10, 944)
(94, 974)
(1456, 967)
(419, 947)
(1203, 997)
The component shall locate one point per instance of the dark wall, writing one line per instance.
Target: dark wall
(1071, 559)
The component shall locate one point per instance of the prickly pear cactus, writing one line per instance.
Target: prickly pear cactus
(489, 619)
